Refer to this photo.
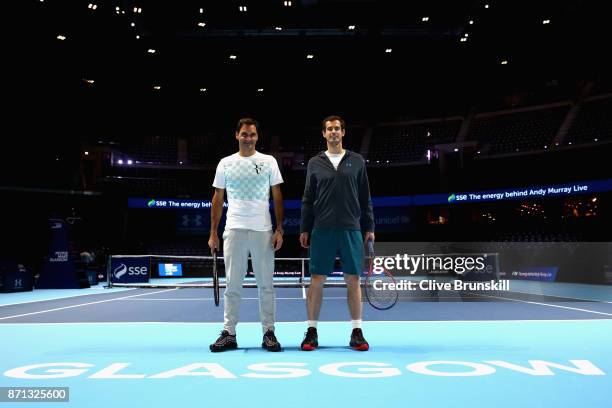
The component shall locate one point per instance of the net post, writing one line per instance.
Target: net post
(109, 283)
(497, 267)
(302, 274)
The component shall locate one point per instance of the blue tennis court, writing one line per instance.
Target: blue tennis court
(137, 347)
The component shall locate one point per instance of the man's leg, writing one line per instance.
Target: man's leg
(314, 297)
(235, 255)
(351, 254)
(262, 259)
(322, 258)
(353, 290)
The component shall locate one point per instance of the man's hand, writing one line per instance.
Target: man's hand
(369, 236)
(213, 242)
(304, 239)
(277, 240)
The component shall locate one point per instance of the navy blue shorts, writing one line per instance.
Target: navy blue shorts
(325, 244)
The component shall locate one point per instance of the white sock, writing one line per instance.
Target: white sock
(356, 324)
(312, 323)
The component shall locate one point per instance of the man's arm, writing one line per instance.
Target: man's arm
(277, 197)
(215, 218)
(307, 218)
(365, 202)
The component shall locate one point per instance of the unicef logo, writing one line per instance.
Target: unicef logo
(120, 271)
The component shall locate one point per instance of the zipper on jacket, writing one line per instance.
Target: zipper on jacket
(328, 161)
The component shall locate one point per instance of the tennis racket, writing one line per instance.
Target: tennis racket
(377, 290)
(215, 274)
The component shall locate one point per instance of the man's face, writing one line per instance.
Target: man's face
(333, 132)
(247, 136)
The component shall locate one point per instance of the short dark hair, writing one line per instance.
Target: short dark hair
(333, 118)
(248, 122)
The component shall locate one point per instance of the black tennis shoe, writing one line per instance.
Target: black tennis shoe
(311, 340)
(358, 342)
(269, 342)
(225, 342)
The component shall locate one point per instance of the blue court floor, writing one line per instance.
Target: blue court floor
(535, 347)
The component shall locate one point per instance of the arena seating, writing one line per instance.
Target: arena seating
(517, 131)
(406, 143)
(593, 123)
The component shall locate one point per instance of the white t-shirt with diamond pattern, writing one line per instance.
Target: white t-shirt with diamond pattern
(247, 181)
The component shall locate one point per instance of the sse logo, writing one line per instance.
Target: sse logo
(132, 270)
(458, 197)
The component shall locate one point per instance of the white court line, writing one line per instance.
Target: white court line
(560, 296)
(244, 298)
(65, 297)
(303, 292)
(300, 298)
(82, 304)
(542, 304)
(304, 322)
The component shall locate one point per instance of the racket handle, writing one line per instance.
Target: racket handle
(370, 246)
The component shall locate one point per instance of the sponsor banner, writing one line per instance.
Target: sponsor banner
(194, 222)
(170, 203)
(541, 273)
(541, 191)
(130, 270)
(58, 271)
(14, 277)
(504, 194)
(170, 269)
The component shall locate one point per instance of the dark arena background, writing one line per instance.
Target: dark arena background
(486, 127)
